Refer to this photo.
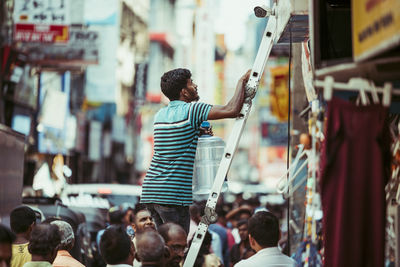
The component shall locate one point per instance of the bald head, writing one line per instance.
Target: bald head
(150, 247)
(175, 239)
(171, 231)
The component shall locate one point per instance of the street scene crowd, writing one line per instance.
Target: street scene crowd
(246, 233)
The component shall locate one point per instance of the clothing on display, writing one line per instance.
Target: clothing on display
(355, 166)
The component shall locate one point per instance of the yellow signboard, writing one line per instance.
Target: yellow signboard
(376, 27)
(279, 95)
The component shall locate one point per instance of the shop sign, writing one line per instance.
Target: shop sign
(81, 49)
(279, 93)
(376, 27)
(41, 21)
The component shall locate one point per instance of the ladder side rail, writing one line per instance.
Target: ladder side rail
(238, 127)
(251, 88)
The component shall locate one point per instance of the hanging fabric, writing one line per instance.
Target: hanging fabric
(355, 166)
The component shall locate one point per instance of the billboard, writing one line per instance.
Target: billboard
(376, 27)
(41, 21)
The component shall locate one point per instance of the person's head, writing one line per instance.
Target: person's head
(142, 220)
(175, 239)
(221, 212)
(44, 242)
(6, 239)
(116, 215)
(116, 246)
(22, 220)
(66, 234)
(243, 229)
(194, 211)
(263, 230)
(128, 214)
(244, 214)
(177, 84)
(150, 248)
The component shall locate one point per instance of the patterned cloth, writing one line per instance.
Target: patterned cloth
(176, 131)
(20, 255)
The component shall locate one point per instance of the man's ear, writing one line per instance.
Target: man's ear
(134, 227)
(184, 92)
(167, 252)
(32, 226)
(251, 240)
(132, 252)
(137, 257)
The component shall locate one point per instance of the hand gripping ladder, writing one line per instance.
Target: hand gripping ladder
(210, 215)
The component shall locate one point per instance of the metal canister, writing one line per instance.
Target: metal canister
(210, 150)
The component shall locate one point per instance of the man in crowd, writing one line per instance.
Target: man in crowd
(116, 247)
(175, 239)
(22, 221)
(6, 239)
(43, 245)
(64, 258)
(167, 187)
(142, 219)
(264, 236)
(243, 249)
(151, 250)
(115, 216)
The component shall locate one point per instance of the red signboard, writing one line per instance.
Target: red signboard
(41, 33)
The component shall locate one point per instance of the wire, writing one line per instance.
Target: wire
(288, 144)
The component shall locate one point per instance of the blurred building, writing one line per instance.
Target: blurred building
(70, 85)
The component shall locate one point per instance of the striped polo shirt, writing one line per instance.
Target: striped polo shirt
(176, 131)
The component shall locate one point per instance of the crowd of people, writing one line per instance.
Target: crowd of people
(158, 231)
(240, 237)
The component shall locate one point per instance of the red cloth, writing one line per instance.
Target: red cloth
(355, 168)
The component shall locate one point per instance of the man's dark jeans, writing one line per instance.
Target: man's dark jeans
(170, 213)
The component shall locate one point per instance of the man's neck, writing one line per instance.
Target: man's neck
(150, 263)
(127, 262)
(21, 239)
(40, 258)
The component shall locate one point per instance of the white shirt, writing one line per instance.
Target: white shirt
(270, 257)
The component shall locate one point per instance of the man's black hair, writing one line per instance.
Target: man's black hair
(139, 207)
(45, 238)
(21, 218)
(6, 236)
(242, 222)
(116, 216)
(243, 211)
(173, 81)
(115, 245)
(264, 228)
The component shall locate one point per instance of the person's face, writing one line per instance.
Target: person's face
(177, 246)
(190, 92)
(5, 254)
(143, 221)
(243, 232)
(128, 218)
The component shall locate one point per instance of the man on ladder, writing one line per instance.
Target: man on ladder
(167, 187)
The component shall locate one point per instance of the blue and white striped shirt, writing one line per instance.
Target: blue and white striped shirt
(176, 131)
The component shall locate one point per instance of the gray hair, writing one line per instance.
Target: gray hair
(66, 233)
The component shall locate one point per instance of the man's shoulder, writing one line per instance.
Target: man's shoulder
(65, 259)
(267, 258)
